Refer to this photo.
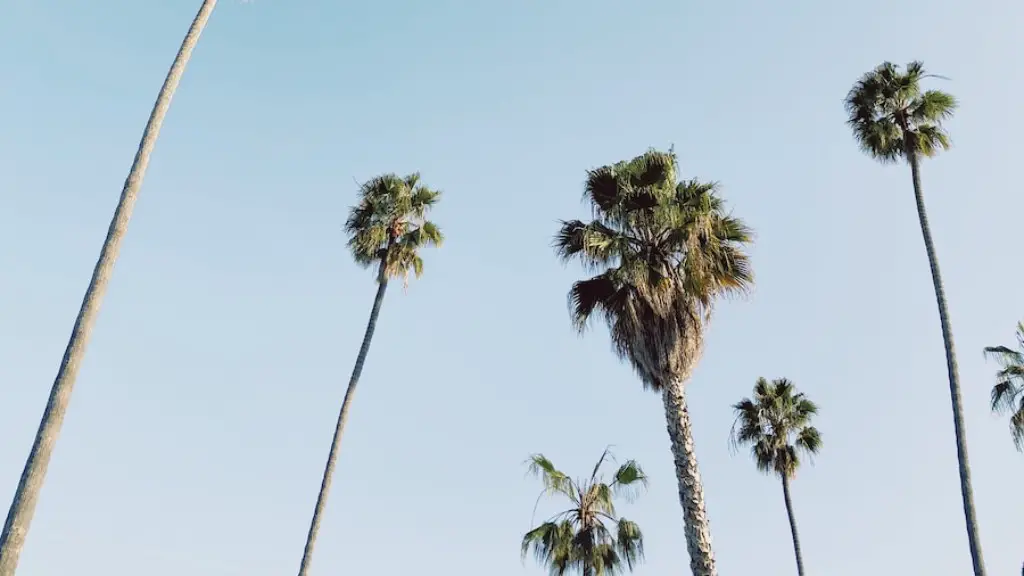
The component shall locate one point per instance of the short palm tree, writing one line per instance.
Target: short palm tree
(662, 252)
(776, 424)
(1008, 393)
(587, 538)
(386, 229)
(893, 119)
(23, 506)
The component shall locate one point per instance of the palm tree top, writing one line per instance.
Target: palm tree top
(662, 250)
(388, 226)
(890, 115)
(587, 537)
(776, 424)
(1008, 392)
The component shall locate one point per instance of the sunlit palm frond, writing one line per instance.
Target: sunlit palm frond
(776, 424)
(554, 480)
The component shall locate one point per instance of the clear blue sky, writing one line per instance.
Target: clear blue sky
(202, 417)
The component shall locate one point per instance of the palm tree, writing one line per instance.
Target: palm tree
(776, 424)
(663, 252)
(386, 229)
(1008, 393)
(587, 538)
(893, 119)
(23, 506)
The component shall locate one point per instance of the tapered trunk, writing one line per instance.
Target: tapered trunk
(954, 376)
(27, 494)
(691, 491)
(332, 457)
(792, 526)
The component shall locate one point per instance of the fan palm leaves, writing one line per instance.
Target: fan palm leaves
(892, 119)
(387, 229)
(662, 252)
(776, 424)
(588, 537)
(1008, 392)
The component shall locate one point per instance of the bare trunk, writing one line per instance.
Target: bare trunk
(332, 458)
(954, 377)
(792, 526)
(691, 491)
(27, 494)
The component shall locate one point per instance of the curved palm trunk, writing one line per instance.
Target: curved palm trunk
(27, 494)
(792, 526)
(332, 458)
(691, 491)
(954, 376)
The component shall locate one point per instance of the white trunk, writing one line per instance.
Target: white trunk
(27, 494)
(691, 491)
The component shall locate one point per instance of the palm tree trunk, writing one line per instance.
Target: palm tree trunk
(954, 376)
(691, 491)
(27, 494)
(332, 458)
(792, 526)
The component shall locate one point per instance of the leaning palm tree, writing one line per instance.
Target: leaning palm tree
(893, 119)
(386, 229)
(662, 252)
(587, 538)
(776, 424)
(1008, 393)
(23, 506)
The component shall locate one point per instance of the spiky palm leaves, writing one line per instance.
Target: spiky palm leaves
(663, 251)
(776, 424)
(587, 537)
(388, 226)
(892, 118)
(387, 229)
(1008, 393)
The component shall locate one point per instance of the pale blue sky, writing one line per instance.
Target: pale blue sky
(202, 417)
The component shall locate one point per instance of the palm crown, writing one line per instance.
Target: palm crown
(776, 424)
(891, 116)
(1008, 393)
(388, 226)
(663, 251)
(587, 537)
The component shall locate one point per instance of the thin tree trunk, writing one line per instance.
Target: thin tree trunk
(691, 491)
(792, 526)
(954, 376)
(332, 458)
(27, 494)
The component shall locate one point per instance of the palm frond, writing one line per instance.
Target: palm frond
(554, 480)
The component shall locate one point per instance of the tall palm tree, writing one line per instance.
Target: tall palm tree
(776, 424)
(893, 119)
(386, 229)
(663, 251)
(1008, 393)
(23, 506)
(588, 537)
